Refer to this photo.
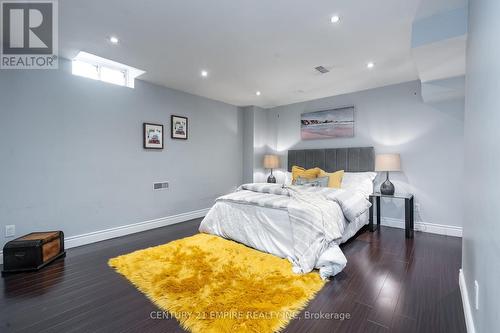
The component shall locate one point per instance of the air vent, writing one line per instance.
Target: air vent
(321, 69)
(160, 186)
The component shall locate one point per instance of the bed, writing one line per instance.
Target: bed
(275, 218)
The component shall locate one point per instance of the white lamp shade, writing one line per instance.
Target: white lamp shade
(387, 162)
(271, 162)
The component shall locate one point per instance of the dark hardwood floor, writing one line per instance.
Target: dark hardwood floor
(390, 284)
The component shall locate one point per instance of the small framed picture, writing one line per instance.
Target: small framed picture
(179, 127)
(153, 136)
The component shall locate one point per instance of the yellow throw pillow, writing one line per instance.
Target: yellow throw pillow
(303, 173)
(334, 178)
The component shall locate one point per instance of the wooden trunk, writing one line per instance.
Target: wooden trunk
(33, 251)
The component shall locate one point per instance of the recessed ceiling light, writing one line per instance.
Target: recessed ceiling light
(114, 40)
(335, 19)
(370, 65)
(257, 93)
(204, 73)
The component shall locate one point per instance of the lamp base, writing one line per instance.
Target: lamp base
(387, 188)
(271, 179)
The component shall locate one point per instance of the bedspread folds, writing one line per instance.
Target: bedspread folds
(313, 213)
(277, 196)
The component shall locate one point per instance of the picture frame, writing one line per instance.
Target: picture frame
(179, 127)
(328, 124)
(153, 137)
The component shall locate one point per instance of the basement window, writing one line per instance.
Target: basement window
(102, 69)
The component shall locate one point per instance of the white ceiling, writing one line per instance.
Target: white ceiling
(249, 45)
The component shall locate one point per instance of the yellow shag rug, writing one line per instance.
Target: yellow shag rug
(211, 284)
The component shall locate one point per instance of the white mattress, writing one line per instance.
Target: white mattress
(353, 227)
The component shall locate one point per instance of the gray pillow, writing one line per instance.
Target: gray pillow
(320, 181)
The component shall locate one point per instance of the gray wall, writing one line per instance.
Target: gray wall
(395, 119)
(260, 143)
(481, 245)
(255, 143)
(248, 147)
(72, 155)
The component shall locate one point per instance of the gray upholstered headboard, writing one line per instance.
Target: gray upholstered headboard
(333, 159)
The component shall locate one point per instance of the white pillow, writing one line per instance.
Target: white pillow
(288, 178)
(359, 181)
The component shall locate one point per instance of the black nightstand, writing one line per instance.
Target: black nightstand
(375, 201)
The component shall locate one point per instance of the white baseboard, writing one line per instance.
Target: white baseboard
(97, 236)
(469, 321)
(100, 235)
(432, 228)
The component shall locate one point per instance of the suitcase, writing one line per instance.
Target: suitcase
(33, 251)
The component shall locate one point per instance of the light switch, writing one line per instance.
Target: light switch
(10, 230)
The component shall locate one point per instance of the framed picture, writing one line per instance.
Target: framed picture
(153, 136)
(179, 127)
(327, 124)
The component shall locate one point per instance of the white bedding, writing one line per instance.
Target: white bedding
(268, 229)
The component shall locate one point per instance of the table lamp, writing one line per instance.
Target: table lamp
(271, 162)
(387, 162)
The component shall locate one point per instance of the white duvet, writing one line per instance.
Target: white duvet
(307, 231)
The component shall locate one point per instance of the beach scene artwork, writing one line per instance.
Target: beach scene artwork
(327, 124)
